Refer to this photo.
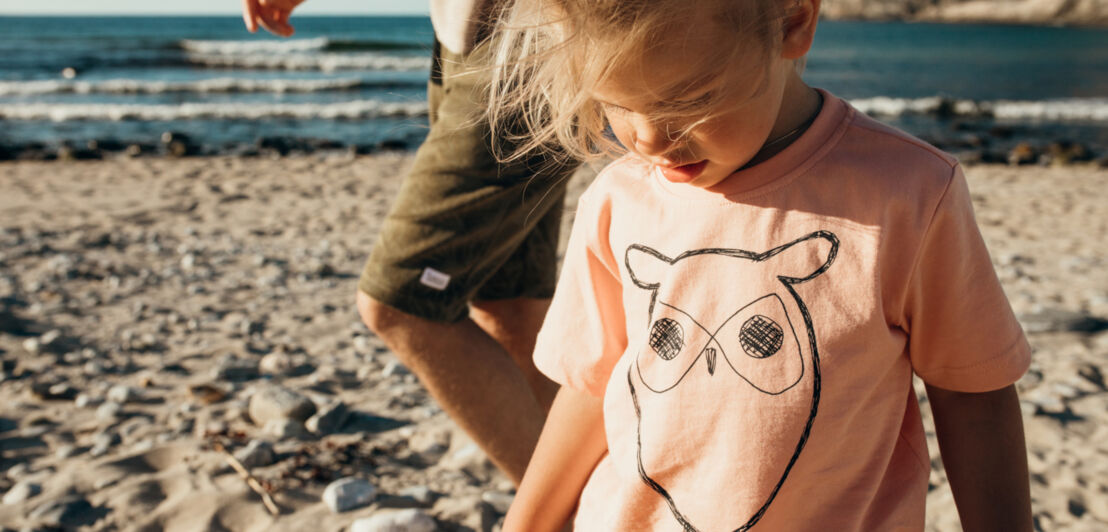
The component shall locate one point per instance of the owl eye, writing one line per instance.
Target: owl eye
(761, 337)
(667, 338)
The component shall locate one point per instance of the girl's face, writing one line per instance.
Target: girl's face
(746, 101)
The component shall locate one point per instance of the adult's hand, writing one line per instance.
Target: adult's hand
(273, 15)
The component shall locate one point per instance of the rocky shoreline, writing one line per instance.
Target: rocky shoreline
(1093, 13)
(971, 142)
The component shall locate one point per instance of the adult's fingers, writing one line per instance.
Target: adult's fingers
(274, 21)
(250, 14)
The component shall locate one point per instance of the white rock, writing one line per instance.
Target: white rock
(420, 494)
(409, 520)
(21, 491)
(122, 394)
(394, 368)
(499, 501)
(348, 493)
(109, 411)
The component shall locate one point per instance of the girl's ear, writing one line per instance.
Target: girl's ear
(800, 28)
(646, 266)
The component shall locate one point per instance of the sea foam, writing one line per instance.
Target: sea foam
(212, 85)
(360, 109)
(1068, 109)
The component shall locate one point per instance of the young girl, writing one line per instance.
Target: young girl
(748, 292)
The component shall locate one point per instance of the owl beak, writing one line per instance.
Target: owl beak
(710, 354)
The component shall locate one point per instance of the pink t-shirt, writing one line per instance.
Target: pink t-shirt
(755, 345)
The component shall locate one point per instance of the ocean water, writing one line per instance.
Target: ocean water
(362, 80)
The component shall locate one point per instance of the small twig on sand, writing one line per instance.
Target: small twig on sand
(250, 479)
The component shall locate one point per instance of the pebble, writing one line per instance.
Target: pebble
(68, 511)
(102, 443)
(408, 520)
(109, 411)
(21, 491)
(422, 495)
(330, 418)
(394, 368)
(122, 394)
(499, 500)
(285, 429)
(84, 400)
(348, 493)
(233, 368)
(66, 451)
(257, 453)
(278, 403)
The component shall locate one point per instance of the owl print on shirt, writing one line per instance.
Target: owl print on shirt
(726, 383)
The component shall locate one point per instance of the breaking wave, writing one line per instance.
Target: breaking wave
(1068, 109)
(360, 109)
(213, 85)
(326, 62)
(320, 44)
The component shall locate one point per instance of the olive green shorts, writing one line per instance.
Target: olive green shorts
(464, 226)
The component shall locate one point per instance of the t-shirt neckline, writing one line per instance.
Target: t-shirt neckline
(815, 141)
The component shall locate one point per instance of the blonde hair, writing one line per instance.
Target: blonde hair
(548, 56)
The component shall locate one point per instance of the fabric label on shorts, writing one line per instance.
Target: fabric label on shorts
(434, 278)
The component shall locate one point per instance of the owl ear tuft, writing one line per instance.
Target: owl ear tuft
(805, 258)
(646, 266)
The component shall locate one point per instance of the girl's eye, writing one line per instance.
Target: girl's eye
(611, 108)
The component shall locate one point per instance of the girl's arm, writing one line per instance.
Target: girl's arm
(571, 444)
(982, 445)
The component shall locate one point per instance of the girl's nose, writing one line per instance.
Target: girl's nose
(652, 138)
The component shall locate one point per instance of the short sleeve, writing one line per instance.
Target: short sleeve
(963, 335)
(584, 333)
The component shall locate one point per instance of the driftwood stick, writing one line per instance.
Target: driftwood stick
(251, 481)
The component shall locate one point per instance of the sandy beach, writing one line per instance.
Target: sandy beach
(155, 311)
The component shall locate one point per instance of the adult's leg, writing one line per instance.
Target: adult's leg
(475, 380)
(514, 324)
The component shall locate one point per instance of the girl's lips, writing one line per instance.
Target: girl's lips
(683, 173)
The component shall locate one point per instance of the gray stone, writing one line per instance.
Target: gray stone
(328, 419)
(21, 491)
(257, 453)
(348, 494)
(408, 520)
(1057, 320)
(285, 429)
(233, 368)
(278, 403)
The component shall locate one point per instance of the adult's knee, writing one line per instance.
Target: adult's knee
(379, 317)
